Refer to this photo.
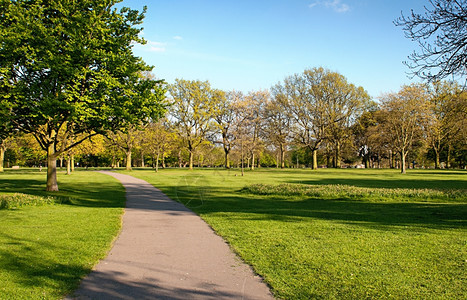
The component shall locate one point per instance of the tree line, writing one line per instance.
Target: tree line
(312, 119)
(71, 86)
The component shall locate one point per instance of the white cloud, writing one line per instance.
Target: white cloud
(155, 46)
(313, 4)
(177, 37)
(335, 5)
(152, 46)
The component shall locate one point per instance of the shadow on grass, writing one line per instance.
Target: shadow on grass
(31, 269)
(382, 215)
(390, 183)
(89, 194)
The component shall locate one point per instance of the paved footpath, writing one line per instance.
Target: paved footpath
(165, 251)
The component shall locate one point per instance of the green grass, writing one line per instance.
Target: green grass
(48, 242)
(337, 234)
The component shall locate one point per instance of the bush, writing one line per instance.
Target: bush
(13, 201)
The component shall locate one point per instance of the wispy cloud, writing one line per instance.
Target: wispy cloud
(335, 5)
(177, 37)
(152, 46)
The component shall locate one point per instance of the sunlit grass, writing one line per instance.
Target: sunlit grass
(337, 234)
(47, 244)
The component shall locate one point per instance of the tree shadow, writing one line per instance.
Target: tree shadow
(387, 182)
(116, 285)
(89, 194)
(378, 215)
(28, 266)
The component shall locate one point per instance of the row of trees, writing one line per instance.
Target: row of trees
(313, 118)
(68, 75)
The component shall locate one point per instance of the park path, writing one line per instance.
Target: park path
(165, 251)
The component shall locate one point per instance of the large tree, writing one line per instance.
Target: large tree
(345, 103)
(193, 104)
(320, 103)
(70, 71)
(441, 33)
(277, 126)
(224, 116)
(405, 119)
(443, 117)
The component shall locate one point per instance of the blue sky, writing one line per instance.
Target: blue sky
(252, 45)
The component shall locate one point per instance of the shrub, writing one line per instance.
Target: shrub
(13, 201)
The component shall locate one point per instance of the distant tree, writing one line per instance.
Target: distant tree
(441, 33)
(70, 71)
(277, 126)
(253, 107)
(159, 140)
(345, 103)
(299, 94)
(442, 117)
(6, 126)
(405, 117)
(127, 141)
(193, 104)
(320, 104)
(224, 116)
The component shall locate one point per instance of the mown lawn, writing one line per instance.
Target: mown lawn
(46, 248)
(356, 238)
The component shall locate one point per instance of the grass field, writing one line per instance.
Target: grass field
(325, 234)
(368, 234)
(47, 243)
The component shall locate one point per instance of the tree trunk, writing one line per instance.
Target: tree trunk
(315, 159)
(180, 158)
(448, 158)
(142, 159)
(403, 154)
(68, 166)
(52, 185)
(242, 160)
(191, 160)
(128, 160)
(72, 163)
(226, 158)
(437, 166)
(337, 157)
(157, 161)
(2, 156)
(253, 161)
(282, 156)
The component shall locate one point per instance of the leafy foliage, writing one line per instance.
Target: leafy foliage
(69, 70)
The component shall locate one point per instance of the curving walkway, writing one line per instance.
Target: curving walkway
(165, 251)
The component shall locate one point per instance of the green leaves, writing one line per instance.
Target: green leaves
(67, 68)
(69, 61)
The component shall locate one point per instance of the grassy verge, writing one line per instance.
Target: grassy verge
(337, 234)
(48, 242)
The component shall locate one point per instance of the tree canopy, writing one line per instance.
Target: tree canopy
(68, 70)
